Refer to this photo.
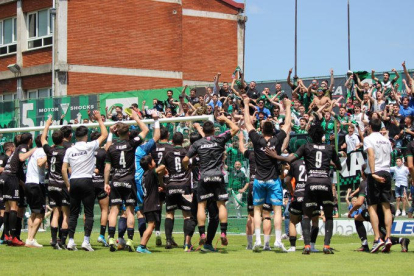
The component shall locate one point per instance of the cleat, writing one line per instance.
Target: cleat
(173, 243)
(56, 246)
(203, 239)
(224, 240)
(168, 244)
(257, 247)
(306, 250)
(142, 249)
(62, 246)
(398, 213)
(158, 241)
(208, 248)
(377, 245)
(16, 242)
(300, 238)
(249, 247)
(111, 244)
(403, 214)
(387, 246)
(87, 246)
(327, 250)
(267, 247)
(72, 247)
(363, 248)
(291, 249)
(33, 244)
(129, 246)
(121, 244)
(188, 248)
(404, 244)
(101, 239)
(280, 245)
(285, 237)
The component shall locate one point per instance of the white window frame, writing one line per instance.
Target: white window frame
(8, 46)
(37, 37)
(37, 93)
(14, 96)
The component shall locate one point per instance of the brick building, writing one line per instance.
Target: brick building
(106, 46)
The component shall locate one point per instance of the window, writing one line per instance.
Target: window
(8, 35)
(39, 93)
(40, 29)
(8, 97)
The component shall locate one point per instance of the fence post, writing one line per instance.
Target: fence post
(338, 191)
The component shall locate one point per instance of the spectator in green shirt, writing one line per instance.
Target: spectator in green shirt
(238, 184)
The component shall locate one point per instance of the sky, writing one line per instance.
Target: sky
(382, 37)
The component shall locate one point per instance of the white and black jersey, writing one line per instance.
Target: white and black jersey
(3, 160)
(318, 159)
(299, 173)
(100, 155)
(210, 151)
(266, 167)
(14, 166)
(121, 156)
(81, 158)
(179, 178)
(35, 174)
(55, 157)
(160, 150)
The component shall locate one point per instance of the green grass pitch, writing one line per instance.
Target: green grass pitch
(231, 260)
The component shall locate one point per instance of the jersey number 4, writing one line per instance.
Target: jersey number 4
(122, 161)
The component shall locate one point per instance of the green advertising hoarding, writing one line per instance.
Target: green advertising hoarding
(35, 112)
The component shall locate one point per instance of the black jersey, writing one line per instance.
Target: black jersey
(150, 190)
(3, 160)
(100, 155)
(14, 166)
(121, 156)
(266, 167)
(210, 151)
(410, 149)
(173, 161)
(67, 144)
(318, 159)
(298, 172)
(160, 150)
(249, 155)
(55, 157)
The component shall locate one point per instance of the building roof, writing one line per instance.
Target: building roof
(234, 4)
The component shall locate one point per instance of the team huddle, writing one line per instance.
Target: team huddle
(133, 177)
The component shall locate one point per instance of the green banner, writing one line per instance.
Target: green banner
(350, 174)
(7, 120)
(69, 109)
(125, 99)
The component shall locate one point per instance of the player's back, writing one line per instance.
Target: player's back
(173, 161)
(121, 155)
(55, 157)
(318, 159)
(160, 150)
(100, 155)
(299, 173)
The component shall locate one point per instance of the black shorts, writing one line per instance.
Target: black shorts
(22, 201)
(162, 196)
(11, 188)
(58, 195)
(318, 192)
(178, 199)
(153, 216)
(212, 187)
(123, 192)
(99, 184)
(35, 195)
(379, 192)
(296, 208)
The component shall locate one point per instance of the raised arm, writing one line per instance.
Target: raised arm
(373, 75)
(289, 82)
(199, 129)
(407, 74)
(247, 119)
(144, 129)
(288, 115)
(233, 127)
(397, 76)
(331, 86)
(104, 131)
(216, 88)
(46, 130)
(242, 149)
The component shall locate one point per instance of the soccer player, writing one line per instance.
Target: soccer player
(81, 158)
(210, 150)
(364, 216)
(67, 136)
(99, 184)
(35, 192)
(12, 192)
(318, 191)
(157, 154)
(152, 182)
(58, 193)
(178, 191)
(296, 182)
(379, 150)
(213, 219)
(121, 159)
(8, 151)
(267, 187)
